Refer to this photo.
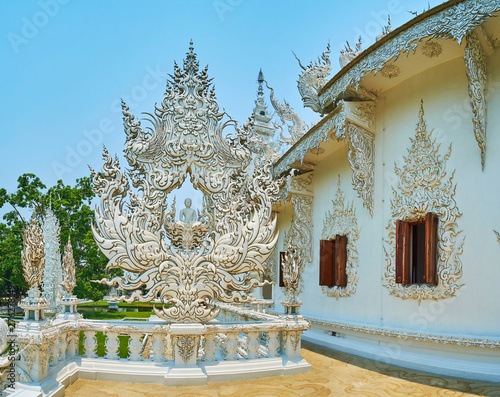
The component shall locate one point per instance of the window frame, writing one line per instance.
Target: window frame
(405, 250)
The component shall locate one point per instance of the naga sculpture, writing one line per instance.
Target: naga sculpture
(225, 262)
(285, 112)
(313, 78)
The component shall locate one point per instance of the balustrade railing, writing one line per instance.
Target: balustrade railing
(239, 334)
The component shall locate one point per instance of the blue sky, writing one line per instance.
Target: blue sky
(66, 64)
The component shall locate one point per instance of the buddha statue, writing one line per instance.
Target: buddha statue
(187, 214)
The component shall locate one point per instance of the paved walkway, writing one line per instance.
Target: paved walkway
(333, 373)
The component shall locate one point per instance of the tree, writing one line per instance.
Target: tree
(71, 205)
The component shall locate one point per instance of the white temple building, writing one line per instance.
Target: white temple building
(395, 206)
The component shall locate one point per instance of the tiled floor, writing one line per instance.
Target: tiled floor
(333, 373)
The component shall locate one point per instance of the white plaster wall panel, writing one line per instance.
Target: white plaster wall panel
(444, 89)
(354, 307)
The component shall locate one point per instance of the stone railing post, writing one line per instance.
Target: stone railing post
(253, 344)
(232, 345)
(158, 347)
(186, 340)
(63, 346)
(53, 351)
(112, 345)
(210, 347)
(135, 346)
(90, 344)
(273, 343)
(72, 344)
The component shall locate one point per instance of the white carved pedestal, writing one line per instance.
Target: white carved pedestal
(34, 306)
(69, 305)
(186, 341)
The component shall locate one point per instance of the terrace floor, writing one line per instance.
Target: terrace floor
(333, 373)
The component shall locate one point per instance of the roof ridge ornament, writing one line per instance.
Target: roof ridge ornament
(313, 78)
(286, 113)
(348, 54)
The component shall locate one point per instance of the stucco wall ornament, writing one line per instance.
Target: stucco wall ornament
(186, 139)
(300, 233)
(297, 128)
(298, 240)
(453, 22)
(390, 71)
(477, 73)
(422, 188)
(362, 161)
(313, 78)
(342, 221)
(365, 111)
(432, 49)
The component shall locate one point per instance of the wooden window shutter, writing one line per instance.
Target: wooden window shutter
(403, 251)
(326, 258)
(431, 233)
(282, 263)
(340, 260)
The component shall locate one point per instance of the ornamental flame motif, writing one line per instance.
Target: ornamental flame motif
(68, 269)
(424, 186)
(33, 254)
(188, 267)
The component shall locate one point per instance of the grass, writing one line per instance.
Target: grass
(121, 304)
(114, 315)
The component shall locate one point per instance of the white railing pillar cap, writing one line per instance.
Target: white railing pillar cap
(187, 329)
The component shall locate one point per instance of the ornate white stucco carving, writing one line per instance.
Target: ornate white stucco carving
(422, 188)
(342, 221)
(477, 76)
(293, 268)
(299, 238)
(33, 256)
(300, 232)
(365, 111)
(313, 78)
(186, 139)
(348, 54)
(361, 158)
(68, 269)
(286, 113)
(453, 22)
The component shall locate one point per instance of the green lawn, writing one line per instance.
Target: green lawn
(121, 304)
(114, 315)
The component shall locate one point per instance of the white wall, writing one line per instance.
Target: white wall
(475, 311)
